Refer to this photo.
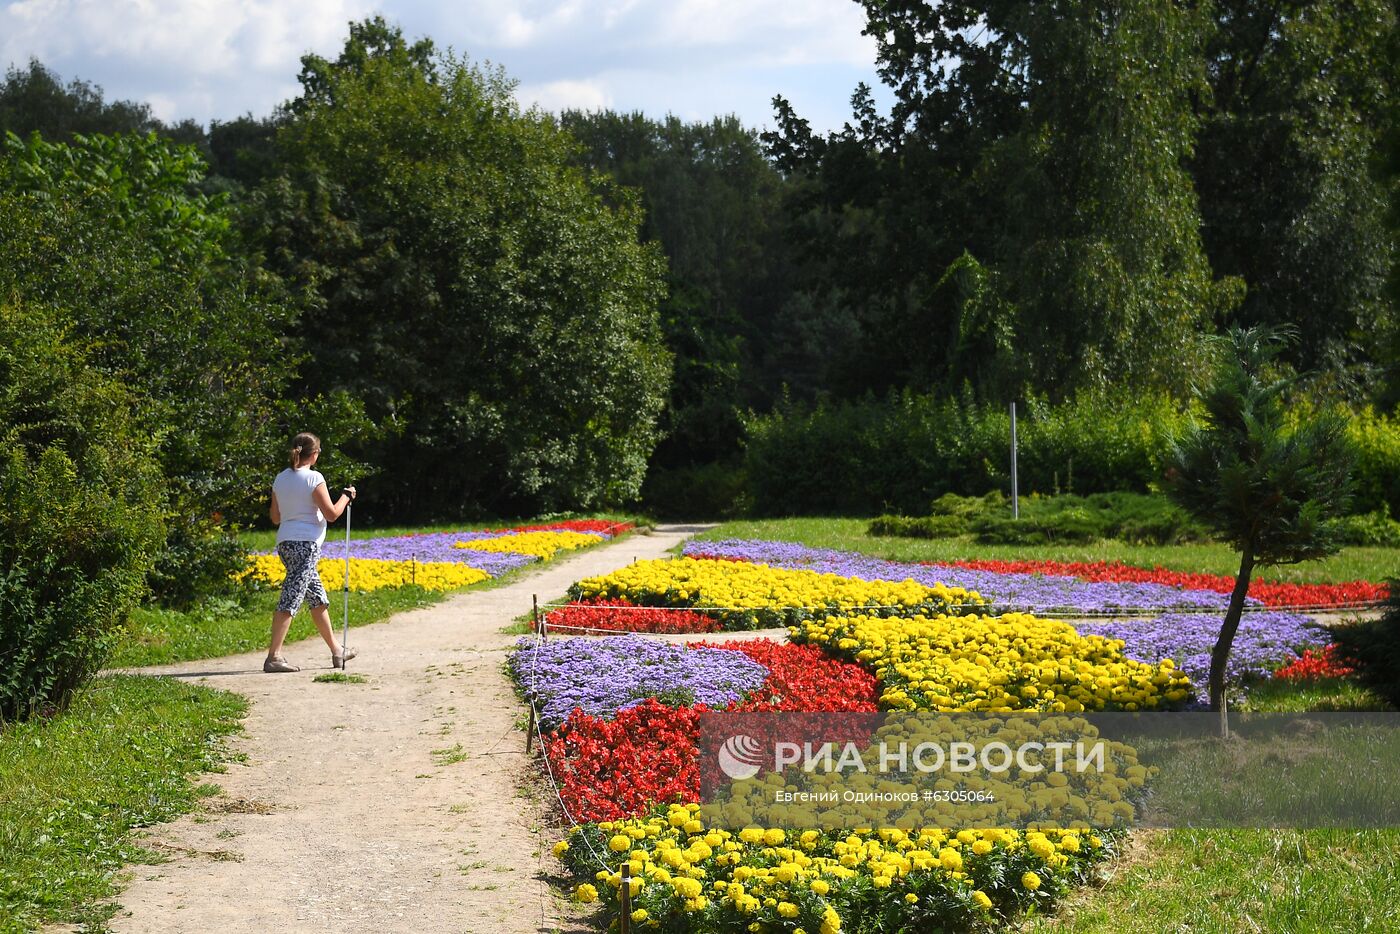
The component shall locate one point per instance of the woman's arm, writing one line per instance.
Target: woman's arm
(273, 512)
(322, 498)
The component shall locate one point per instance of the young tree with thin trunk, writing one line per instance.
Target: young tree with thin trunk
(1270, 479)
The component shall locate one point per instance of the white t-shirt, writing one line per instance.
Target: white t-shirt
(301, 520)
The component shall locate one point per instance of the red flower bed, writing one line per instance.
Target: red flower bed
(575, 525)
(1270, 593)
(601, 613)
(1315, 663)
(803, 677)
(611, 769)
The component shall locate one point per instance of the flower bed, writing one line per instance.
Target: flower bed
(686, 877)
(619, 614)
(1263, 643)
(1269, 593)
(539, 544)
(368, 574)
(752, 596)
(1314, 664)
(438, 561)
(627, 755)
(1030, 593)
(602, 676)
(1001, 663)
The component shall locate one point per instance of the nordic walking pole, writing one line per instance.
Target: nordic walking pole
(345, 636)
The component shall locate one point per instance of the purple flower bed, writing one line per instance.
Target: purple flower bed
(431, 546)
(603, 676)
(1038, 593)
(1265, 642)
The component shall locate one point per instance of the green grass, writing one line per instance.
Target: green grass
(849, 534)
(73, 787)
(336, 677)
(1228, 881)
(156, 636)
(1201, 881)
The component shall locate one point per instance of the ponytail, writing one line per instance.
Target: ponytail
(302, 447)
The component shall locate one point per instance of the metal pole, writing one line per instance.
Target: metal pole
(539, 625)
(1015, 490)
(345, 635)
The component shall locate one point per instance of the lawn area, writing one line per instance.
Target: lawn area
(1373, 564)
(1194, 880)
(157, 636)
(73, 787)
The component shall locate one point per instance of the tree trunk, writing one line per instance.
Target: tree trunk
(1220, 655)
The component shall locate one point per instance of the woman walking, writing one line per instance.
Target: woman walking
(301, 508)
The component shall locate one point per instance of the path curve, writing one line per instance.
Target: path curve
(390, 806)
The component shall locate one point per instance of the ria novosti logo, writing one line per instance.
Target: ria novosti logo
(741, 756)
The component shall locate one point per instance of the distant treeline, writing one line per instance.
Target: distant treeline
(1061, 202)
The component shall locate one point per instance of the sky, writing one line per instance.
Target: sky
(219, 59)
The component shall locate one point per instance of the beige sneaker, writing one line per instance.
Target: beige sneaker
(338, 661)
(278, 664)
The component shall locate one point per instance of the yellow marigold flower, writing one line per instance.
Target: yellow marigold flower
(982, 847)
(640, 915)
(911, 898)
(1030, 881)
(586, 893)
(982, 899)
(950, 859)
(620, 843)
(788, 910)
(561, 847)
(820, 886)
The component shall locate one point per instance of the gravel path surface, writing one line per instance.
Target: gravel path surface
(390, 806)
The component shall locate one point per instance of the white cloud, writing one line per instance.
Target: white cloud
(565, 95)
(184, 57)
(220, 58)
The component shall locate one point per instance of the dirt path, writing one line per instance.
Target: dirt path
(389, 806)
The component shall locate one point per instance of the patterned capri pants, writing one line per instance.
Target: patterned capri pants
(303, 580)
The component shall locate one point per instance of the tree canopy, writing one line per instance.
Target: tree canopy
(492, 307)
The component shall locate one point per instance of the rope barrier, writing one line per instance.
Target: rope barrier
(538, 732)
(996, 609)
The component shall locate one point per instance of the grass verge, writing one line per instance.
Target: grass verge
(156, 636)
(75, 786)
(1372, 564)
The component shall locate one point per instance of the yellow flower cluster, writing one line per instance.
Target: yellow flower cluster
(542, 545)
(998, 664)
(750, 595)
(368, 574)
(686, 876)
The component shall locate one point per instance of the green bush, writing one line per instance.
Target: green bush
(896, 454)
(1372, 648)
(1374, 529)
(899, 453)
(1131, 517)
(921, 527)
(80, 522)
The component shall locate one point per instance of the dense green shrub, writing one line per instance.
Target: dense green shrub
(1374, 529)
(896, 454)
(919, 527)
(1372, 648)
(1131, 517)
(80, 516)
